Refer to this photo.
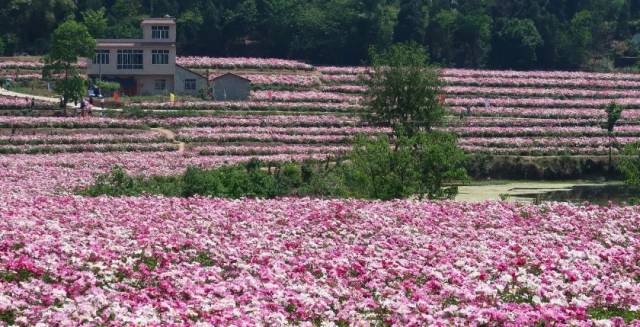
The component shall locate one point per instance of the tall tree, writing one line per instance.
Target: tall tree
(404, 91)
(70, 41)
(614, 113)
(96, 22)
(516, 44)
(412, 21)
(473, 37)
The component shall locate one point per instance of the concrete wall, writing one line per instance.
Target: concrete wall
(148, 67)
(230, 88)
(146, 32)
(146, 85)
(182, 74)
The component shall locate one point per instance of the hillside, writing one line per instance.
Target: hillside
(536, 124)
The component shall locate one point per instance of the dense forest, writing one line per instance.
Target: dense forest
(518, 34)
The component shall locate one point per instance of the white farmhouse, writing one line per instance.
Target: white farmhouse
(145, 66)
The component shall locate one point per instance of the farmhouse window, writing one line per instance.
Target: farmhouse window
(101, 57)
(130, 59)
(159, 32)
(190, 84)
(160, 84)
(160, 57)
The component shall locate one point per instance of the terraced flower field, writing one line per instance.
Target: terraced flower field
(68, 260)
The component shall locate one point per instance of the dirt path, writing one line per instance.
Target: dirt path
(27, 96)
(171, 135)
(6, 92)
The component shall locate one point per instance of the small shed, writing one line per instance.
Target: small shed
(230, 87)
(188, 81)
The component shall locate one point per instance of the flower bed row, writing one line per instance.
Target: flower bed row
(276, 79)
(87, 147)
(354, 89)
(543, 142)
(21, 103)
(284, 130)
(632, 103)
(22, 76)
(104, 137)
(258, 63)
(159, 261)
(344, 79)
(21, 64)
(510, 74)
(266, 137)
(532, 82)
(291, 120)
(305, 96)
(60, 173)
(507, 74)
(508, 82)
(539, 151)
(564, 131)
(540, 92)
(529, 122)
(249, 105)
(246, 150)
(554, 113)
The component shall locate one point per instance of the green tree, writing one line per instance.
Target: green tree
(579, 39)
(124, 19)
(404, 90)
(2, 46)
(378, 170)
(516, 43)
(630, 164)
(442, 36)
(440, 163)
(412, 21)
(427, 165)
(69, 41)
(473, 39)
(614, 112)
(96, 22)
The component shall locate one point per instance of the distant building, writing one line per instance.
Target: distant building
(230, 87)
(145, 66)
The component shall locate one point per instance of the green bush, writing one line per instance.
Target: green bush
(107, 86)
(426, 165)
(630, 164)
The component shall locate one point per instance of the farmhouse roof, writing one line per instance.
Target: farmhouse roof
(128, 43)
(189, 70)
(231, 74)
(164, 20)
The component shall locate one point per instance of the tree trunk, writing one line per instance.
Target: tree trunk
(610, 168)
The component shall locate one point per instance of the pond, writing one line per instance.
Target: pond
(597, 194)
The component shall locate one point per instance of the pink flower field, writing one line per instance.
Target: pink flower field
(145, 261)
(68, 260)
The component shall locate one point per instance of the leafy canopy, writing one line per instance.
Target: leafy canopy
(426, 165)
(70, 41)
(404, 91)
(614, 112)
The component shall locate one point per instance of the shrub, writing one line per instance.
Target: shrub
(630, 164)
(426, 165)
(107, 86)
